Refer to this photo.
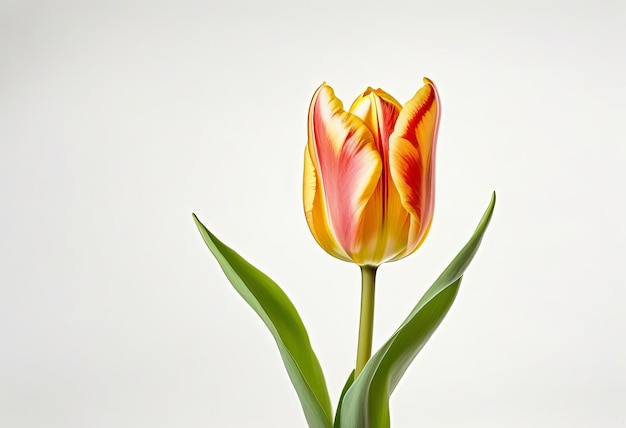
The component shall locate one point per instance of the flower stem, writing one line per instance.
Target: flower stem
(366, 321)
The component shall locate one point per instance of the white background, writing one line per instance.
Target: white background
(120, 118)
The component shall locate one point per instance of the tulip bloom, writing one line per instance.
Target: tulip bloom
(369, 173)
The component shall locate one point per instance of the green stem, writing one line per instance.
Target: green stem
(366, 321)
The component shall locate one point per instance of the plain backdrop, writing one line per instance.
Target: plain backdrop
(118, 119)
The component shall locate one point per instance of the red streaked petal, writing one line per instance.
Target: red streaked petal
(346, 162)
(412, 159)
(385, 221)
(379, 111)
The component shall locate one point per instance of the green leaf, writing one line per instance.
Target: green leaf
(281, 318)
(366, 403)
(347, 386)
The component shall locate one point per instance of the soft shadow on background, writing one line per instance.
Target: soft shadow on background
(118, 119)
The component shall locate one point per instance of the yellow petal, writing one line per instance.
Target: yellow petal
(385, 221)
(379, 111)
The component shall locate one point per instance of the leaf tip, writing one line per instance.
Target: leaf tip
(196, 219)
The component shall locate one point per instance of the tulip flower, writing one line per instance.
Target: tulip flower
(369, 173)
(369, 182)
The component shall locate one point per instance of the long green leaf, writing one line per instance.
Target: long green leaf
(366, 403)
(281, 318)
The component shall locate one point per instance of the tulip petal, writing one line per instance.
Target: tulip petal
(412, 160)
(385, 221)
(379, 111)
(347, 168)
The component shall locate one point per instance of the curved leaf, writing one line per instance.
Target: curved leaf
(347, 386)
(280, 316)
(366, 403)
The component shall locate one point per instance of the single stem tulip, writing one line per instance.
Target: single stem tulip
(368, 187)
(368, 199)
